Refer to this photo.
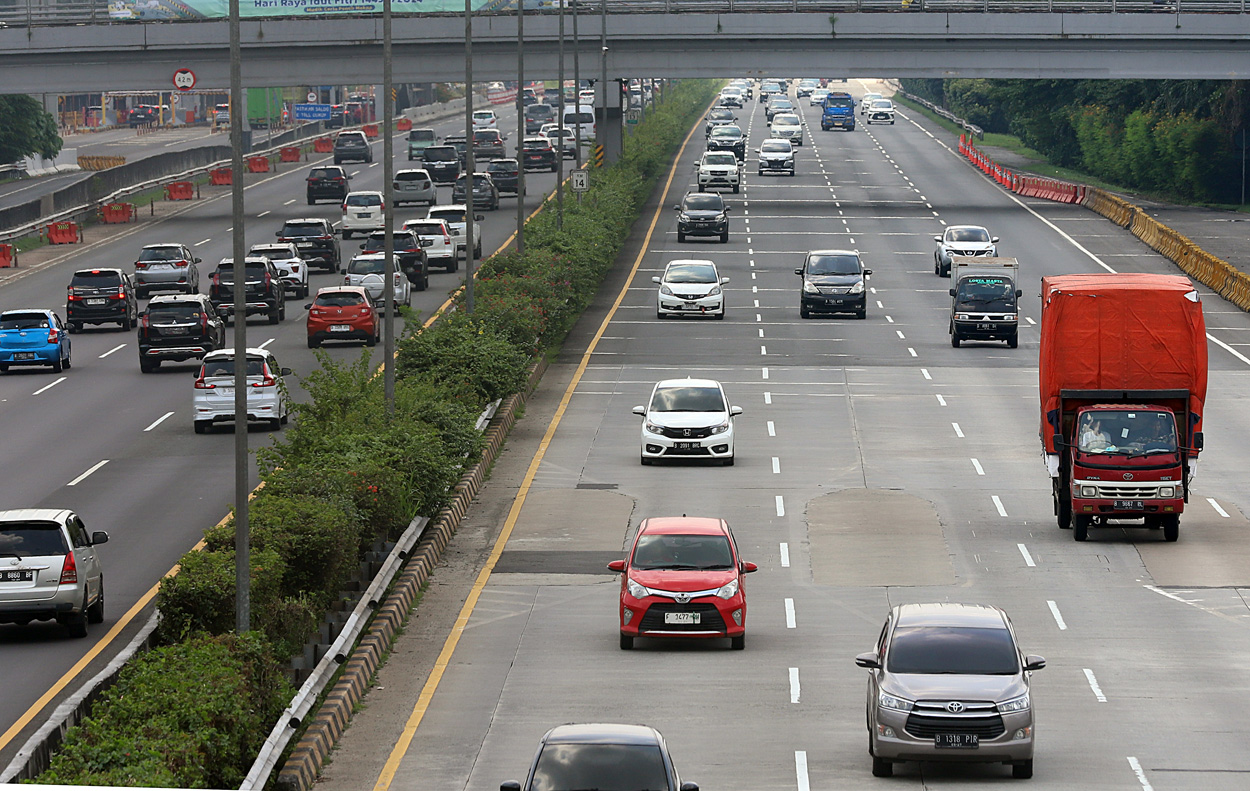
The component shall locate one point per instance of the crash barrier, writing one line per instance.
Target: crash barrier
(370, 130)
(289, 154)
(64, 232)
(100, 163)
(220, 177)
(1027, 186)
(179, 190)
(403, 125)
(8, 256)
(111, 213)
(323, 145)
(258, 164)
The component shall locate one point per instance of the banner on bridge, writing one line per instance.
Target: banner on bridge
(154, 10)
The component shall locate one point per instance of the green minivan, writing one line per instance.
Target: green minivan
(418, 141)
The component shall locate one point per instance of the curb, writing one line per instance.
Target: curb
(302, 767)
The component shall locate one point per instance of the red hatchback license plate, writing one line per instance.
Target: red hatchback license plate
(958, 741)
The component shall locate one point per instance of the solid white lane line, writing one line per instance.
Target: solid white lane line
(158, 421)
(765, 372)
(49, 386)
(1054, 610)
(911, 351)
(1137, 770)
(1093, 684)
(958, 431)
(800, 770)
(976, 465)
(110, 351)
(83, 477)
(776, 466)
(794, 685)
(266, 343)
(941, 401)
(772, 430)
(925, 371)
(1002, 511)
(1024, 552)
(781, 506)
(785, 564)
(768, 397)
(1217, 508)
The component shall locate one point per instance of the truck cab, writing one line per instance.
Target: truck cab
(983, 300)
(838, 111)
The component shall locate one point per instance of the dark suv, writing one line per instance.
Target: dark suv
(539, 154)
(408, 251)
(728, 137)
(178, 327)
(506, 175)
(442, 163)
(314, 239)
(488, 144)
(352, 146)
(329, 182)
(536, 115)
(485, 193)
(101, 296)
(702, 214)
(264, 290)
(834, 281)
(457, 142)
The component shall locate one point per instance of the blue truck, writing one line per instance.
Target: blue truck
(838, 110)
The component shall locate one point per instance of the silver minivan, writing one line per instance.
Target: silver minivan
(948, 682)
(49, 570)
(414, 185)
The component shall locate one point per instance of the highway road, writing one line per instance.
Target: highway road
(875, 465)
(153, 484)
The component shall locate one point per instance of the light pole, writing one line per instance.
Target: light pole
(577, 93)
(520, 126)
(468, 156)
(388, 212)
(242, 561)
(602, 136)
(560, 121)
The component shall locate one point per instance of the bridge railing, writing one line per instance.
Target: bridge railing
(39, 13)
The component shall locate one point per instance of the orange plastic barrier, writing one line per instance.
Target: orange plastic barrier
(112, 213)
(179, 190)
(323, 145)
(63, 233)
(289, 154)
(258, 164)
(220, 177)
(8, 257)
(403, 125)
(370, 130)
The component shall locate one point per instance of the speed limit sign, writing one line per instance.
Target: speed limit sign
(184, 79)
(579, 180)
(312, 97)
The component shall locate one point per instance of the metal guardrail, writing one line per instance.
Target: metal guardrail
(942, 111)
(37, 13)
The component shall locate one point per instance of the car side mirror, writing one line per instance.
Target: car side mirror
(362, 245)
(1034, 662)
(1019, 292)
(308, 306)
(1197, 440)
(197, 261)
(724, 280)
(640, 410)
(867, 272)
(799, 271)
(994, 239)
(734, 411)
(285, 371)
(747, 568)
(617, 566)
(689, 787)
(511, 785)
(278, 234)
(99, 537)
(937, 239)
(676, 207)
(869, 660)
(655, 279)
(952, 291)
(1057, 441)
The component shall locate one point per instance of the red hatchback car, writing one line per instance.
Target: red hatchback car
(343, 313)
(683, 578)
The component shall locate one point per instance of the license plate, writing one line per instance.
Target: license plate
(364, 216)
(427, 242)
(1129, 505)
(692, 306)
(225, 391)
(341, 328)
(17, 576)
(986, 327)
(959, 741)
(175, 330)
(685, 445)
(681, 617)
(24, 356)
(96, 301)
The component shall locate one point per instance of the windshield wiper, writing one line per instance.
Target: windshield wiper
(671, 567)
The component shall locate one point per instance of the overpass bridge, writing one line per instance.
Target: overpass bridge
(55, 47)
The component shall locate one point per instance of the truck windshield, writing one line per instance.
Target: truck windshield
(1126, 432)
(990, 294)
(837, 101)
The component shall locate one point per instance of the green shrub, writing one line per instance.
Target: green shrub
(464, 353)
(200, 597)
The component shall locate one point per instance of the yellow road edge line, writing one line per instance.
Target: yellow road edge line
(387, 775)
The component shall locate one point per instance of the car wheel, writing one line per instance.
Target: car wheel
(275, 424)
(313, 343)
(759, 173)
(1024, 769)
(738, 643)
(126, 324)
(68, 360)
(804, 313)
(77, 624)
(882, 767)
(74, 327)
(286, 417)
(862, 313)
(937, 267)
(311, 201)
(4, 368)
(59, 365)
(719, 316)
(627, 643)
(372, 340)
(729, 462)
(955, 339)
(724, 238)
(1080, 526)
(645, 461)
(201, 426)
(1013, 342)
(347, 234)
(1171, 527)
(275, 315)
(681, 237)
(736, 189)
(95, 613)
(454, 266)
(477, 251)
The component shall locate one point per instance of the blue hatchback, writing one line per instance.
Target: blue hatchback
(33, 337)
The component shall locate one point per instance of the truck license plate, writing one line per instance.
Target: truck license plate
(1129, 505)
(986, 327)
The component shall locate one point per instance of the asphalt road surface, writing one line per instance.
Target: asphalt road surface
(875, 465)
(160, 485)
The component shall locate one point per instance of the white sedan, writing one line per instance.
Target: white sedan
(688, 419)
(690, 287)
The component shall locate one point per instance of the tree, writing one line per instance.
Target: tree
(26, 129)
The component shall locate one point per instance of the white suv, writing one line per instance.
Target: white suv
(437, 241)
(267, 396)
(50, 572)
(453, 215)
(688, 418)
(286, 259)
(719, 169)
(362, 211)
(788, 126)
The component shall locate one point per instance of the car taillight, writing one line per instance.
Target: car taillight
(267, 381)
(446, 239)
(268, 279)
(144, 321)
(182, 263)
(141, 264)
(344, 207)
(347, 280)
(69, 572)
(121, 293)
(54, 336)
(203, 322)
(216, 278)
(325, 238)
(200, 384)
(71, 296)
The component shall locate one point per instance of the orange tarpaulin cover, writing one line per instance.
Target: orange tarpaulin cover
(1121, 332)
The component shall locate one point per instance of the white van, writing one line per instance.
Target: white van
(581, 116)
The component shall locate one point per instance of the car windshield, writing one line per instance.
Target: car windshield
(690, 273)
(486, 135)
(419, 135)
(425, 228)
(839, 264)
(720, 159)
(882, 104)
(338, 299)
(954, 650)
(967, 235)
(294, 229)
(440, 154)
(1127, 432)
(780, 146)
(32, 539)
(161, 254)
(175, 313)
(537, 145)
(364, 200)
(837, 101)
(782, 103)
(688, 398)
(449, 216)
(483, 115)
(703, 203)
(727, 131)
(662, 551)
(224, 366)
(785, 119)
(602, 767)
(986, 293)
(374, 265)
(23, 321)
(96, 279)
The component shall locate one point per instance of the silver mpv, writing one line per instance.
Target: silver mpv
(49, 570)
(948, 683)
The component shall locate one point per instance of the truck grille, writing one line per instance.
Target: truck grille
(1115, 491)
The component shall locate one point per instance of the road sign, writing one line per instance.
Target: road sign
(184, 79)
(579, 180)
(633, 115)
(313, 97)
(312, 112)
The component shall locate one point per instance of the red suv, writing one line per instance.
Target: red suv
(683, 578)
(343, 313)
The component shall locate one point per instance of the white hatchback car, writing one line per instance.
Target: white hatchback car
(51, 571)
(414, 185)
(690, 287)
(267, 396)
(291, 268)
(788, 126)
(688, 418)
(567, 144)
(485, 119)
(368, 270)
(362, 211)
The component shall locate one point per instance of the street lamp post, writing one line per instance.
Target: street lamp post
(520, 126)
(242, 561)
(388, 212)
(603, 73)
(560, 121)
(468, 157)
(577, 93)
